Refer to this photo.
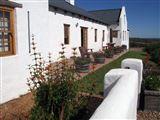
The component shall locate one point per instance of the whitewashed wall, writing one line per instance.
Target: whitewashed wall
(56, 22)
(122, 27)
(14, 68)
(49, 34)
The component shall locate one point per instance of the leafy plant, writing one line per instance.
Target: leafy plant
(54, 88)
(117, 49)
(154, 52)
(152, 83)
(82, 61)
(108, 52)
(98, 55)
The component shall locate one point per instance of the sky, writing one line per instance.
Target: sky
(143, 15)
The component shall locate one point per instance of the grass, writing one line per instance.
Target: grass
(93, 82)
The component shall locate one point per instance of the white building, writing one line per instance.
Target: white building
(52, 22)
(117, 24)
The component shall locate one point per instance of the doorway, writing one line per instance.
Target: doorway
(111, 36)
(84, 37)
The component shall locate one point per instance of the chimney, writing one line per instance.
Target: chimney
(70, 1)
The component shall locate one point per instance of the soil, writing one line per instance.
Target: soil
(17, 109)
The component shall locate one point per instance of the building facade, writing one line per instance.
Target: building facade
(52, 22)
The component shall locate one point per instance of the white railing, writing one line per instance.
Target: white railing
(121, 90)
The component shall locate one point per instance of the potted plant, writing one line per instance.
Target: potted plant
(124, 47)
(117, 49)
(82, 64)
(108, 53)
(99, 57)
(152, 93)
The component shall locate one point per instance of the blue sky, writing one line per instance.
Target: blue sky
(143, 15)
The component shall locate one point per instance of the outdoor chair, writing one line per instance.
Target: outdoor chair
(86, 53)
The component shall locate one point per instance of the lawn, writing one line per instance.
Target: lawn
(93, 82)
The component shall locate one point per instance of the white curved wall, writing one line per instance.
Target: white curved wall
(134, 64)
(121, 101)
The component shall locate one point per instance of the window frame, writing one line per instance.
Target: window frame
(115, 33)
(68, 34)
(12, 50)
(103, 35)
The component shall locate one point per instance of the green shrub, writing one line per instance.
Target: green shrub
(151, 47)
(154, 51)
(37, 113)
(54, 88)
(152, 83)
(108, 52)
(155, 55)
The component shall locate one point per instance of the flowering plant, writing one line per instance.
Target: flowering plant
(53, 86)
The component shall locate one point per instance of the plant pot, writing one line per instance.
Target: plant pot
(109, 55)
(99, 60)
(83, 68)
(152, 100)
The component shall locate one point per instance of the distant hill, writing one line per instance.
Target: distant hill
(142, 42)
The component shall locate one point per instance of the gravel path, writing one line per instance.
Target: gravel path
(148, 115)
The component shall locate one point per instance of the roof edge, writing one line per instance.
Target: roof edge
(104, 9)
(10, 4)
(96, 19)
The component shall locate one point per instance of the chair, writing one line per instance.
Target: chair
(85, 52)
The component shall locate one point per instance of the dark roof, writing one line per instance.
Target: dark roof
(61, 4)
(110, 16)
(10, 4)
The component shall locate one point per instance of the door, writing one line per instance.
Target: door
(84, 37)
(103, 37)
(111, 36)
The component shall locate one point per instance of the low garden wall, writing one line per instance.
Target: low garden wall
(121, 90)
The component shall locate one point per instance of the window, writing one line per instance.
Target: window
(124, 19)
(7, 42)
(103, 37)
(66, 34)
(123, 35)
(115, 34)
(95, 37)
